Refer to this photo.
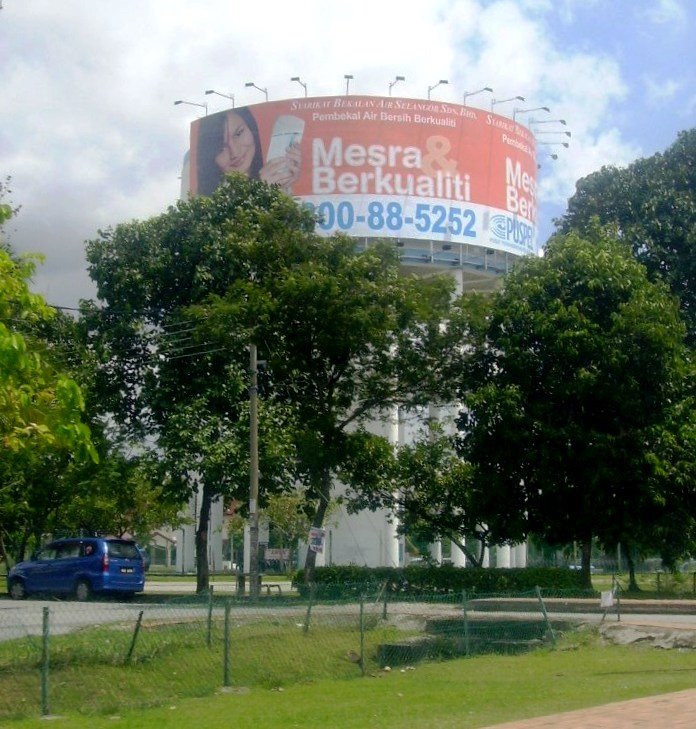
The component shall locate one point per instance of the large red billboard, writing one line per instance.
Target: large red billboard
(382, 167)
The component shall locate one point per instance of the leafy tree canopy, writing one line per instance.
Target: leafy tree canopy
(38, 403)
(652, 204)
(582, 363)
(344, 335)
(41, 407)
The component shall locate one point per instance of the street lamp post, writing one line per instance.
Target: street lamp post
(302, 84)
(192, 103)
(478, 91)
(348, 77)
(253, 85)
(395, 81)
(227, 96)
(434, 86)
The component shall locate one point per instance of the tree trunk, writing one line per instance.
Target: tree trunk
(3, 553)
(318, 523)
(202, 567)
(632, 584)
(22, 546)
(585, 562)
(475, 561)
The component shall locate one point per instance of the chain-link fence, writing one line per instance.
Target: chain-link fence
(63, 656)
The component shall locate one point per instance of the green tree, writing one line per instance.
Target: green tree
(582, 360)
(37, 403)
(47, 484)
(41, 407)
(121, 495)
(288, 523)
(340, 331)
(652, 203)
(346, 338)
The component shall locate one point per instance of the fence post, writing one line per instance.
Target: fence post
(45, 709)
(466, 623)
(138, 623)
(209, 637)
(618, 601)
(312, 592)
(362, 633)
(549, 629)
(385, 598)
(657, 576)
(226, 668)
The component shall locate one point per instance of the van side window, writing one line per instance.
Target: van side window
(67, 551)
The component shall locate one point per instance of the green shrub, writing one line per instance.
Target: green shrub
(338, 582)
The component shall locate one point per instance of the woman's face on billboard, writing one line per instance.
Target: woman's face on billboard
(239, 146)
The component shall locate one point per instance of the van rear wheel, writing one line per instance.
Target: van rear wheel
(83, 591)
(17, 591)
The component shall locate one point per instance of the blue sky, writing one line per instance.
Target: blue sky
(91, 138)
(654, 46)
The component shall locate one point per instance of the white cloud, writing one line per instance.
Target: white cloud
(659, 91)
(663, 12)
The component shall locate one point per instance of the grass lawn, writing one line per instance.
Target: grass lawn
(653, 585)
(471, 692)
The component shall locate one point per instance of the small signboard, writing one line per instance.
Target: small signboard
(277, 554)
(317, 538)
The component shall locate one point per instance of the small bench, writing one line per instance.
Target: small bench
(243, 581)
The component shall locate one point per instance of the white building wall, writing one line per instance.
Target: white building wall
(503, 556)
(185, 536)
(365, 539)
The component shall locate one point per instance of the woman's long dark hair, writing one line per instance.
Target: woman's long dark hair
(211, 139)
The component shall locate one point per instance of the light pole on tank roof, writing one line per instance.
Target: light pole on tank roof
(495, 102)
(517, 111)
(548, 121)
(394, 82)
(218, 93)
(192, 103)
(302, 84)
(253, 85)
(473, 93)
(441, 82)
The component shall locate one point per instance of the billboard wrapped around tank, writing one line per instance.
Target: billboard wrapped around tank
(382, 167)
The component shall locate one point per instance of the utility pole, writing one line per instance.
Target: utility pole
(253, 476)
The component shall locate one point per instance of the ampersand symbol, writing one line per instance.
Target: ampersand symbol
(438, 147)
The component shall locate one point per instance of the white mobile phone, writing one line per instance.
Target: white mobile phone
(287, 130)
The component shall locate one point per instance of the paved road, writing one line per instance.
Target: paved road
(21, 618)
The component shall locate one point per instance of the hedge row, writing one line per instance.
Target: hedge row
(344, 581)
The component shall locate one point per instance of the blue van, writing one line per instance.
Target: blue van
(80, 567)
